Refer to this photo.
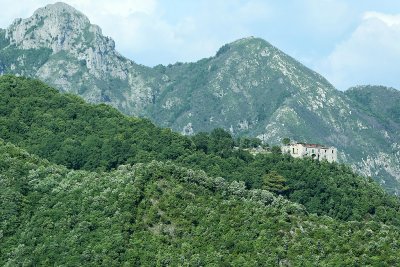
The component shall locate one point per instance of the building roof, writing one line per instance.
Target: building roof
(312, 145)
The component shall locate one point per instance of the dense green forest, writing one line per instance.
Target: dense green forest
(63, 129)
(108, 189)
(160, 214)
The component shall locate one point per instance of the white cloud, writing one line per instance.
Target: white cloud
(142, 33)
(390, 20)
(371, 54)
(122, 20)
(95, 9)
(12, 9)
(195, 32)
(133, 24)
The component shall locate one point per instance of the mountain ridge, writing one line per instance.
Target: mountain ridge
(249, 87)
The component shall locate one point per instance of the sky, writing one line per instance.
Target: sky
(350, 42)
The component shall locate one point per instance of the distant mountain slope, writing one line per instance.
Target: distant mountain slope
(159, 213)
(240, 88)
(383, 102)
(249, 87)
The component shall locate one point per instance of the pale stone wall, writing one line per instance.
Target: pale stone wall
(315, 151)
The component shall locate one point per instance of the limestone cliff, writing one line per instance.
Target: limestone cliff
(82, 60)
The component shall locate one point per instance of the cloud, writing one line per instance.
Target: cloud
(390, 20)
(94, 9)
(371, 54)
(195, 30)
(136, 26)
(12, 9)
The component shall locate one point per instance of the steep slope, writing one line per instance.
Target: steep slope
(252, 88)
(240, 88)
(161, 214)
(60, 46)
(249, 87)
(383, 105)
(383, 102)
(65, 129)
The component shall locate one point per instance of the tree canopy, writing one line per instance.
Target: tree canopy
(160, 214)
(65, 130)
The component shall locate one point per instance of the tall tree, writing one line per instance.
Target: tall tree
(275, 182)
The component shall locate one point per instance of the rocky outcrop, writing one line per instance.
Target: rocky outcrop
(82, 60)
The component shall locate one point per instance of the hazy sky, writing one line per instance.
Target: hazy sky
(350, 42)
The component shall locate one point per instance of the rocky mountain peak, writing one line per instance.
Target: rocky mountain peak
(58, 27)
(68, 34)
(251, 42)
(247, 47)
(252, 55)
(58, 8)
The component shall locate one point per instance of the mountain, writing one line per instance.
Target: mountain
(161, 214)
(60, 46)
(380, 101)
(249, 87)
(65, 130)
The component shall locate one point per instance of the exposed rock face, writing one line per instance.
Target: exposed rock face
(82, 60)
(59, 27)
(382, 106)
(249, 88)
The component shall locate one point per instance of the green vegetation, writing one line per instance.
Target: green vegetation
(380, 101)
(3, 41)
(274, 182)
(222, 50)
(142, 195)
(159, 214)
(67, 131)
(250, 142)
(11, 58)
(286, 141)
(248, 85)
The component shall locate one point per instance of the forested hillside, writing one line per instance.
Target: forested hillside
(82, 184)
(249, 87)
(65, 130)
(159, 214)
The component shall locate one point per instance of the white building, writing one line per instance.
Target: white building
(315, 151)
